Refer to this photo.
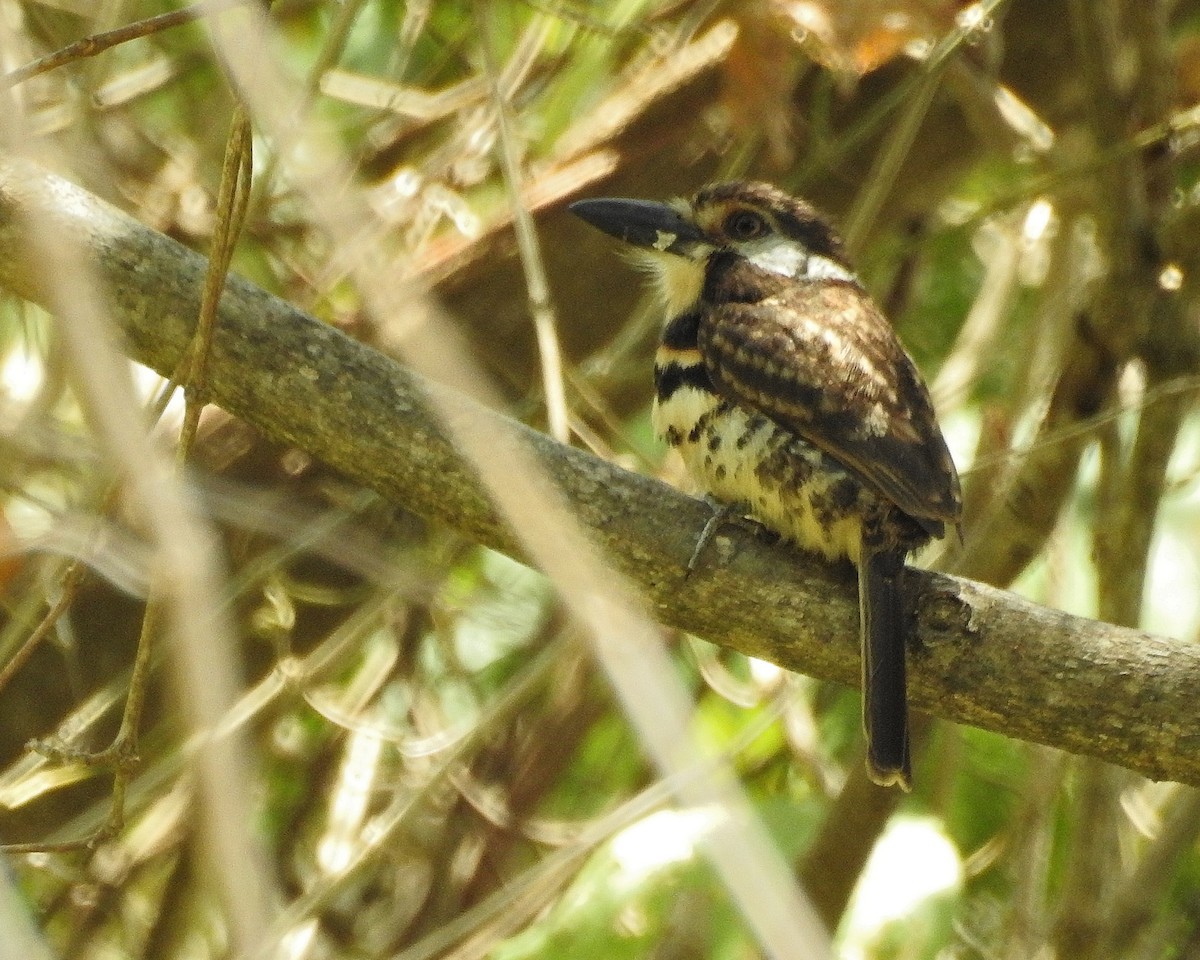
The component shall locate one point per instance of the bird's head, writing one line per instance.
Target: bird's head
(757, 222)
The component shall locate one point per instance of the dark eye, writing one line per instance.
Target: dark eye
(744, 225)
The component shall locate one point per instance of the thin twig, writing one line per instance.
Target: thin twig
(71, 579)
(536, 285)
(99, 42)
(121, 753)
(881, 179)
(823, 161)
(232, 199)
(71, 575)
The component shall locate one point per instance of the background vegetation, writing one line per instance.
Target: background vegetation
(432, 764)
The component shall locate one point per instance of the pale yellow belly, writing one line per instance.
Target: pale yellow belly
(786, 484)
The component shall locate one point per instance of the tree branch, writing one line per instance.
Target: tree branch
(979, 656)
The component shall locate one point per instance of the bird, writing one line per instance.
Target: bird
(791, 400)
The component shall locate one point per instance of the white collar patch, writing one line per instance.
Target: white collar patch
(783, 256)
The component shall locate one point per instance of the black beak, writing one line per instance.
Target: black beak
(656, 226)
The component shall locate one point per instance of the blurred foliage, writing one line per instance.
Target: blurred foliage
(442, 771)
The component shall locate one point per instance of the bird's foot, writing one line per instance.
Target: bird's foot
(722, 513)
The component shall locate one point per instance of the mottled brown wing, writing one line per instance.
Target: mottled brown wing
(820, 360)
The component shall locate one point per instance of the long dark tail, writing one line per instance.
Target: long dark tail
(885, 695)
